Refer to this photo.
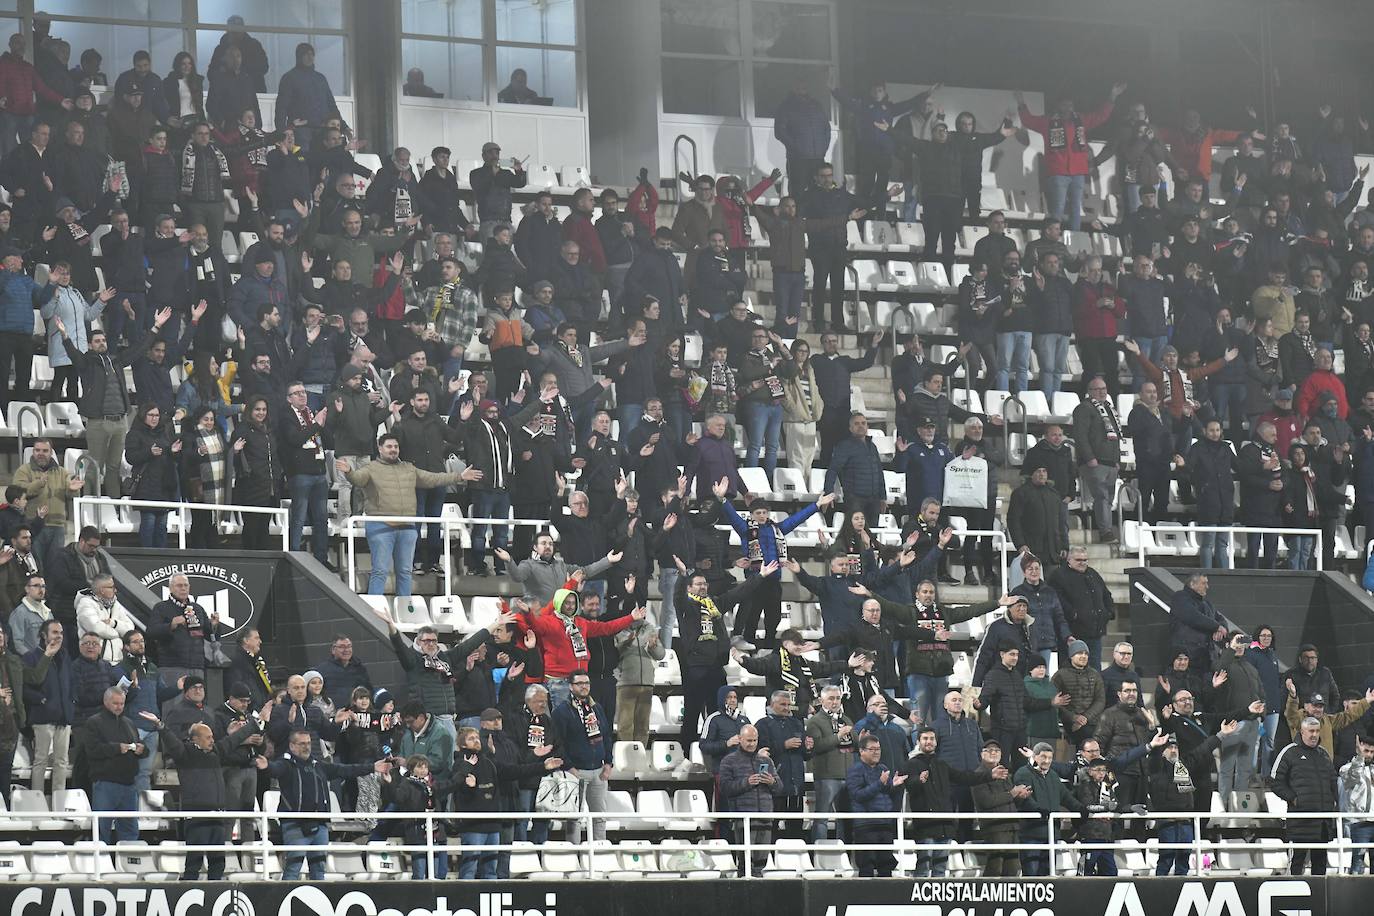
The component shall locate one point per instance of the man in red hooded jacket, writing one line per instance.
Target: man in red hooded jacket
(1067, 156)
(563, 635)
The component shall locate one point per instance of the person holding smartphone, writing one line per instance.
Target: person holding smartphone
(749, 782)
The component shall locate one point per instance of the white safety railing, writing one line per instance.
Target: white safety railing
(1000, 544)
(900, 823)
(183, 511)
(1147, 530)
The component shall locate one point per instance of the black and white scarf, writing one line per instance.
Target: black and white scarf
(438, 664)
(579, 642)
(534, 735)
(1309, 343)
(586, 711)
(1107, 411)
(188, 167)
(498, 446)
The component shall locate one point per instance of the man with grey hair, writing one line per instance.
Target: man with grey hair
(1304, 777)
(1097, 435)
(784, 736)
(831, 736)
(99, 612)
(531, 728)
(112, 746)
(182, 627)
(1194, 624)
(1088, 605)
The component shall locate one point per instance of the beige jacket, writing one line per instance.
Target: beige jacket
(390, 488)
(794, 408)
(45, 488)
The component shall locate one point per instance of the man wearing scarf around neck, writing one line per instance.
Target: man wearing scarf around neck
(831, 735)
(703, 642)
(563, 636)
(585, 744)
(430, 670)
(182, 626)
(763, 541)
(789, 671)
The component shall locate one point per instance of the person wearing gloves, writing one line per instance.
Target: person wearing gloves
(390, 485)
(98, 611)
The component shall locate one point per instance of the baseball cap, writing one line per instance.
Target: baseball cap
(1317, 699)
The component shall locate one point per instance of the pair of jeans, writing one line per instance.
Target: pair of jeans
(390, 546)
(489, 504)
(1100, 357)
(1099, 862)
(480, 865)
(429, 502)
(1066, 202)
(593, 791)
(667, 611)
(1035, 863)
(1099, 484)
(826, 792)
(1175, 860)
(310, 503)
(14, 130)
(933, 863)
(789, 286)
(560, 691)
(763, 427)
(1300, 550)
(1269, 725)
(678, 416)
(1361, 832)
(152, 528)
(927, 693)
(419, 862)
(144, 779)
(1236, 770)
(303, 833)
(1013, 354)
(1214, 549)
(536, 831)
(115, 796)
(629, 416)
(1053, 352)
(1152, 348)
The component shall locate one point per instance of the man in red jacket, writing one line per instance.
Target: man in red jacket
(19, 83)
(563, 635)
(1320, 382)
(1067, 156)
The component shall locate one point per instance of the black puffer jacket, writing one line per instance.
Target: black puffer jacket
(1305, 777)
(257, 468)
(1192, 621)
(1004, 692)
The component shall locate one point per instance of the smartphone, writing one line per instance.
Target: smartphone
(765, 768)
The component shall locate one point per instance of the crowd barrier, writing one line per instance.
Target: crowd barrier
(95, 862)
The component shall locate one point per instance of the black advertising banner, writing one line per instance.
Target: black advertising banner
(234, 584)
(1149, 896)
(408, 898)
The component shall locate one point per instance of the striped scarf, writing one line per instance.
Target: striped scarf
(212, 469)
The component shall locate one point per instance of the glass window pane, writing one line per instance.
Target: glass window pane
(306, 14)
(451, 68)
(119, 42)
(794, 30)
(701, 26)
(454, 18)
(552, 22)
(281, 55)
(165, 10)
(550, 76)
(704, 87)
(772, 83)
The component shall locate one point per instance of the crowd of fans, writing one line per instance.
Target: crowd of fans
(531, 364)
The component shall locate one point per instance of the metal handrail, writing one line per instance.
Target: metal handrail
(588, 848)
(903, 309)
(693, 144)
(994, 533)
(1006, 426)
(182, 509)
(1231, 542)
(25, 409)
